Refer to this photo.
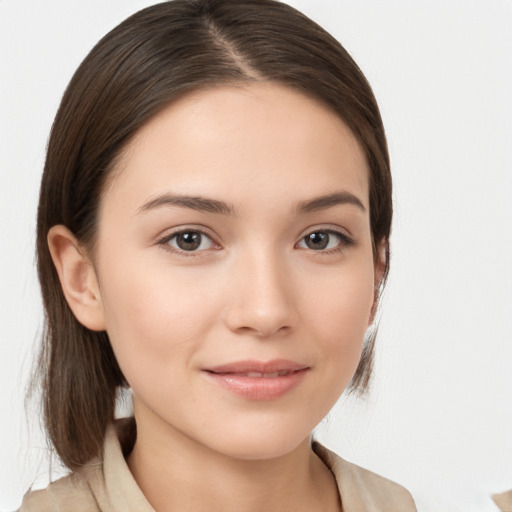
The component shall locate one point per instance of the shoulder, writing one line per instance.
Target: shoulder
(100, 486)
(73, 492)
(504, 501)
(362, 490)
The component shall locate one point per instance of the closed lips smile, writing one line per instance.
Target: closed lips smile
(256, 380)
(257, 375)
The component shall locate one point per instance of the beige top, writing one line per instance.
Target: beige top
(110, 487)
(504, 501)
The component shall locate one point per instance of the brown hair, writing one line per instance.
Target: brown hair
(151, 59)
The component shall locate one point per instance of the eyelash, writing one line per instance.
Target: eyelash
(344, 242)
(164, 242)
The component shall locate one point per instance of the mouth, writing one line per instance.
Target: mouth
(257, 375)
(257, 380)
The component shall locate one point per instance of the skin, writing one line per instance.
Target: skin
(254, 289)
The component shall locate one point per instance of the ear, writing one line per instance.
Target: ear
(379, 269)
(77, 278)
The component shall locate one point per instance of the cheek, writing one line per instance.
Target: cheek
(339, 317)
(336, 312)
(341, 308)
(154, 318)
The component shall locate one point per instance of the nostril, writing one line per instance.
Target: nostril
(264, 331)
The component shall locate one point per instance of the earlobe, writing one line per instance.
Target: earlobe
(77, 278)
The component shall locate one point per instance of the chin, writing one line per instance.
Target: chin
(259, 442)
(246, 450)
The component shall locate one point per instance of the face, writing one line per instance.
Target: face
(235, 267)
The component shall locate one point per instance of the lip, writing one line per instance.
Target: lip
(258, 380)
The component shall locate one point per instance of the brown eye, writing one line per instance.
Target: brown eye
(317, 241)
(189, 241)
(325, 240)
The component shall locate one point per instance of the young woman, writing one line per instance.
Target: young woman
(213, 233)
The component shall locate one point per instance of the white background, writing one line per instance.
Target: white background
(439, 420)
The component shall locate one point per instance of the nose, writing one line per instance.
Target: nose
(261, 298)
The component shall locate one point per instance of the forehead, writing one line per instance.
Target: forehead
(238, 141)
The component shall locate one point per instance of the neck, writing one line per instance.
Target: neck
(176, 473)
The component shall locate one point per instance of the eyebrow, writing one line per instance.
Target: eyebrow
(204, 204)
(328, 201)
(201, 204)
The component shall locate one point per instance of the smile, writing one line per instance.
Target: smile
(261, 375)
(255, 380)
